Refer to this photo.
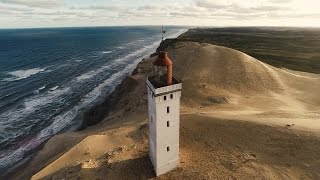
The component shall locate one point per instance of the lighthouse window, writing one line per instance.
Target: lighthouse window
(171, 96)
(168, 110)
(168, 149)
(167, 123)
(164, 97)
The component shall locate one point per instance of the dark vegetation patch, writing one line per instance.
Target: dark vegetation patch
(292, 48)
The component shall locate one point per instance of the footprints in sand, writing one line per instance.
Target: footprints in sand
(289, 125)
(233, 163)
(117, 162)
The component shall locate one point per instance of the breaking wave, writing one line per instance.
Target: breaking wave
(22, 74)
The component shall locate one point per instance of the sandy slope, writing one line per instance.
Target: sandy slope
(240, 119)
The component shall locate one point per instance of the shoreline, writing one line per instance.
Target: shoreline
(95, 114)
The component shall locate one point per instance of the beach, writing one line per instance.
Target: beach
(241, 118)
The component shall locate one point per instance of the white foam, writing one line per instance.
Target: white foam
(14, 115)
(30, 105)
(91, 74)
(38, 90)
(22, 74)
(54, 88)
(41, 88)
(85, 76)
(116, 62)
(35, 92)
(107, 52)
(18, 154)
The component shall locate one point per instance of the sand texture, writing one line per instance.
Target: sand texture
(240, 119)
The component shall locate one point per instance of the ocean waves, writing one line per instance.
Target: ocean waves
(22, 74)
(61, 121)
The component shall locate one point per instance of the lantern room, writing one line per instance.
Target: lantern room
(162, 69)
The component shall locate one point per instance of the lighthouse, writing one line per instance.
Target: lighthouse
(164, 92)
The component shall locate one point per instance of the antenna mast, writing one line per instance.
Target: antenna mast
(162, 32)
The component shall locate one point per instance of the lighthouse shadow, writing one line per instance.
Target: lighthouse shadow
(139, 168)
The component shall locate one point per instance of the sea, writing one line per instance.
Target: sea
(50, 76)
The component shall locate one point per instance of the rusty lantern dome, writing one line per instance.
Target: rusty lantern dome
(163, 68)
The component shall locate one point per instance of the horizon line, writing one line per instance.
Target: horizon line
(188, 26)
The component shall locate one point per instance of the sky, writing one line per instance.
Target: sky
(78, 13)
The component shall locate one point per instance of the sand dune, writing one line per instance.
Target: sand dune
(222, 68)
(218, 76)
(240, 119)
(211, 73)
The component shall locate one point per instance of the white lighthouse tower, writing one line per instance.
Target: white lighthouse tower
(164, 92)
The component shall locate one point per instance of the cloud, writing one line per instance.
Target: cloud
(4, 6)
(213, 4)
(107, 8)
(269, 8)
(125, 12)
(238, 9)
(35, 3)
(281, 1)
